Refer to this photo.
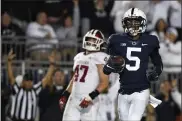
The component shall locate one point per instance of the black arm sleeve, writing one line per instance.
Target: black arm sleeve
(156, 60)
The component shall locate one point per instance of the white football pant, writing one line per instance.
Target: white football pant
(131, 107)
(73, 112)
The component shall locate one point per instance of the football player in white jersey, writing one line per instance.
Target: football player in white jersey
(88, 81)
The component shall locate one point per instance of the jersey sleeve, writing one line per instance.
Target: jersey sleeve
(15, 88)
(38, 87)
(100, 58)
(110, 45)
(75, 58)
(74, 65)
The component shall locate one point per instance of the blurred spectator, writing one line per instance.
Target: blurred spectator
(157, 9)
(7, 27)
(167, 110)
(49, 98)
(160, 30)
(67, 33)
(171, 48)
(56, 10)
(5, 95)
(70, 27)
(100, 18)
(42, 38)
(24, 101)
(9, 31)
(175, 16)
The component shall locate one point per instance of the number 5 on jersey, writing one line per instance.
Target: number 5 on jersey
(77, 70)
(133, 58)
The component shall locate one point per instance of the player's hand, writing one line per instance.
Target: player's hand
(11, 56)
(63, 99)
(52, 57)
(86, 102)
(62, 102)
(153, 76)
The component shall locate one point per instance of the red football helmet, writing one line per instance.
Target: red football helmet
(93, 40)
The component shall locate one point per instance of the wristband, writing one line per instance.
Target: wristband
(94, 94)
(66, 93)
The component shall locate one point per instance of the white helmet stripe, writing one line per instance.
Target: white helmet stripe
(95, 31)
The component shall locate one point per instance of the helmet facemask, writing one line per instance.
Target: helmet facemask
(93, 40)
(134, 25)
(92, 44)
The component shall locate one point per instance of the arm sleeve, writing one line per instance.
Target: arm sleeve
(176, 48)
(53, 33)
(156, 58)
(38, 87)
(33, 31)
(15, 88)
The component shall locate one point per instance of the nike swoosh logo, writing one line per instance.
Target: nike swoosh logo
(144, 44)
(109, 67)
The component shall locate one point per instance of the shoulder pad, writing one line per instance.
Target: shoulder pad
(100, 58)
(78, 55)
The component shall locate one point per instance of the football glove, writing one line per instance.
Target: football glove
(114, 64)
(153, 76)
(63, 99)
(88, 99)
(86, 102)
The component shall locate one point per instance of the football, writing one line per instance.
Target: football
(117, 61)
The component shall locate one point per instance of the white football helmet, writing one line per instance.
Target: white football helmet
(97, 40)
(134, 21)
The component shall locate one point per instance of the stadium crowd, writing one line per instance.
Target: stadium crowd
(33, 29)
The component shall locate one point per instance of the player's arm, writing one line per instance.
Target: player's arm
(115, 63)
(157, 61)
(103, 84)
(10, 70)
(104, 79)
(47, 79)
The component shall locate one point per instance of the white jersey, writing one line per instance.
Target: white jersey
(86, 77)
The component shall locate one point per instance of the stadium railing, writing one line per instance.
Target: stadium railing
(24, 63)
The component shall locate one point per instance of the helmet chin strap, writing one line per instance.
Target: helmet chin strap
(133, 32)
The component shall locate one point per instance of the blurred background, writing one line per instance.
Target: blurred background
(34, 28)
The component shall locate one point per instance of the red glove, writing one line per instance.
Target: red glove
(62, 102)
(63, 99)
(86, 102)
